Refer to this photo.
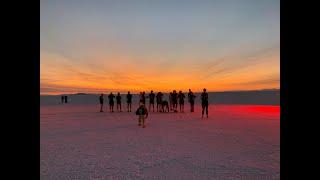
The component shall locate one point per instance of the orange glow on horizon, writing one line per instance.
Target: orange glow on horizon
(61, 75)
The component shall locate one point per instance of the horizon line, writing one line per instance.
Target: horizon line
(271, 89)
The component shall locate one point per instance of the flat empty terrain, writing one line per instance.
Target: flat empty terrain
(235, 142)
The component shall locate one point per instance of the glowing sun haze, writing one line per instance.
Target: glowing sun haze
(119, 45)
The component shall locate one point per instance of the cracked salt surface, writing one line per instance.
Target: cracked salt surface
(77, 142)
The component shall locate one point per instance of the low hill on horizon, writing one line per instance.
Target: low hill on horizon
(259, 97)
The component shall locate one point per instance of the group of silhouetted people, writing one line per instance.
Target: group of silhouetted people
(118, 99)
(64, 99)
(162, 105)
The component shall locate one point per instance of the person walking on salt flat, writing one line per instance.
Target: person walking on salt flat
(142, 112)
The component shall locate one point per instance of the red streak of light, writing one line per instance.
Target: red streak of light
(254, 110)
(264, 109)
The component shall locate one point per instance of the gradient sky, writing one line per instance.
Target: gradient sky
(98, 46)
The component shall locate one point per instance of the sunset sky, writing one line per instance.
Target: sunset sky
(95, 46)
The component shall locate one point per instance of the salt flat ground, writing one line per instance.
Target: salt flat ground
(235, 142)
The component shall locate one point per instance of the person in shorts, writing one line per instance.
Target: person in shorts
(142, 113)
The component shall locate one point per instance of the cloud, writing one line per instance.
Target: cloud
(229, 65)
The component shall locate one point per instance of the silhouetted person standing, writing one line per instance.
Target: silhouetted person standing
(129, 101)
(189, 94)
(62, 99)
(142, 112)
(143, 98)
(181, 97)
(140, 96)
(191, 98)
(111, 102)
(151, 100)
(174, 98)
(170, 101)
(159, 101)
(101, 102)
(119, 102)
(204, 101)
(66, 99)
